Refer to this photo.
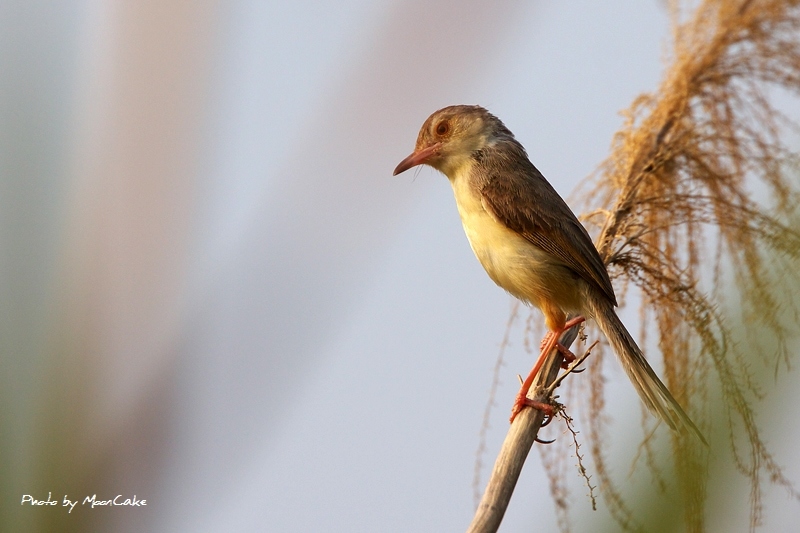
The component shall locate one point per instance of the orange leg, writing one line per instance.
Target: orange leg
(549, 342)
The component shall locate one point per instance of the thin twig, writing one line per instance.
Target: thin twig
(570, 369)
(581, 469)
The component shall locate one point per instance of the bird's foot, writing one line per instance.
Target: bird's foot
(549, 342)
(523, 401)
(569, 357)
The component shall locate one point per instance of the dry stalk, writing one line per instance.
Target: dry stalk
(516, 446)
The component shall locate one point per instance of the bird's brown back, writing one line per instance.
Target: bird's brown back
(522, 199)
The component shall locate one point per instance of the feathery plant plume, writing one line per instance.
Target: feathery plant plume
(681, 190)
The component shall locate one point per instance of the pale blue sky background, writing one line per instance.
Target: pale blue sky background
(208, 268)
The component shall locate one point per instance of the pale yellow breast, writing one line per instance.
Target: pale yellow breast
(512, 262)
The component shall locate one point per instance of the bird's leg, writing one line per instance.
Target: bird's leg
(549, 342)
(569, 357)
(545, 340)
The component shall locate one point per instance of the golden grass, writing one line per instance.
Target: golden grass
(681, 215)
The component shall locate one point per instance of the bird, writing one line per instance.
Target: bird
(531, 243)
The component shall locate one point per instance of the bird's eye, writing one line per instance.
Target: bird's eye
(443, 128)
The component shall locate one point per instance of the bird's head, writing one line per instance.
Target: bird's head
(450, 136)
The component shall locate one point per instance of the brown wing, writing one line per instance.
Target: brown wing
(532, 208)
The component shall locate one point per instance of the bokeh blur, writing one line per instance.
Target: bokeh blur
(215, 296)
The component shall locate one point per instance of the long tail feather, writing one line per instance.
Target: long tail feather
(652, 391)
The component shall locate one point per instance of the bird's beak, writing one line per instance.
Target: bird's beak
(417, 158)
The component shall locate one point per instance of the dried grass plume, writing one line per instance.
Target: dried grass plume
(680, 190)
(699, 192)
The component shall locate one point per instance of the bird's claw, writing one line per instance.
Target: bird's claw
(523, 401)
(569, 357)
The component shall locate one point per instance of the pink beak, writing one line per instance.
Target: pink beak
(417, 158)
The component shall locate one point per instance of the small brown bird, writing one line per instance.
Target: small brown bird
(530, 242)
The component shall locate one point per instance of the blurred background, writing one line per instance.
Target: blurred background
(215, 296)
